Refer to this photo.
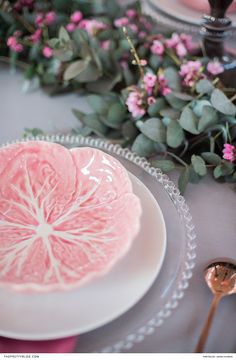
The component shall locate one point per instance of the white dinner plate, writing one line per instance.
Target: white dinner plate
(178, 10)
(58, 314)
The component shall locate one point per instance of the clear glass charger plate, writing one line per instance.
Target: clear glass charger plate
(163, 298)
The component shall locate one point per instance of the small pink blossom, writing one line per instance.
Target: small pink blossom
(133, 27)
(151, 100)
(70, 27)
(150, 80)
(166, 90)
(47, 52)
(131, 13)
(191, 72)
(173, 41)
(35, 37)
(181, 50)
(188, 41)
(39, 19)
(121, 22)
(190, 66)
(215, 67)
(157, 47)
(134, 103)
(163, 85)
(142, 34)
(229, 152)
(92, 26)
(50, 18)
(13, 44)
(143, 62)
(105, 44)
(76, 17)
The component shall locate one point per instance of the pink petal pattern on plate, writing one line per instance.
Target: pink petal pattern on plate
(66, 216)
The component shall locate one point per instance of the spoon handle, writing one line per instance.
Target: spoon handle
(207, 325)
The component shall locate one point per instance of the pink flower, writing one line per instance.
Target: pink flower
(121, 22)
(134, 103)
(92, 26)
(191, 72)
(150, 80)
(142, 34)
(49, 18)
(173, 41)
(133, 27)
(13, 44)
(39, 19)
(70, 27)
(229, 152)
(47, 52)
(105, 44)
(11, 41)
(157, 47)
(181, 50)
(151, 100)
(143, 62)
(166, 91)
(188, 41)
(76, 17)
(163, 85)
(35, 37)
(131, 13)
(190, 66)
(215, 67)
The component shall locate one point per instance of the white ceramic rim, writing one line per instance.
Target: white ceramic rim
(184, 213)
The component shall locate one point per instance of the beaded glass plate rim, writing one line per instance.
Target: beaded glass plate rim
(184, 213)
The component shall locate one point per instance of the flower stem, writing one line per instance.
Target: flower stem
(177, 158)
(134, 53)
(23, 22)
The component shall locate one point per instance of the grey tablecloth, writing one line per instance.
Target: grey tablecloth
(212, 206)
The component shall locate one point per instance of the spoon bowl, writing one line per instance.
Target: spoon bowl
(220, 277)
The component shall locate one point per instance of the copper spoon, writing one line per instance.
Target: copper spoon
(220, 276)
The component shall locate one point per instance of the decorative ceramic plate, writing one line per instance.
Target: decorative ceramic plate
(159, 302)
(175, 14)
(66, 216)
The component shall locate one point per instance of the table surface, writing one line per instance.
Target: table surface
(212, 206)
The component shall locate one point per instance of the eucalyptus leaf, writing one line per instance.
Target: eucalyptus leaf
(169, 112)
(175, 102)
(221, 103)
(199, 165)
(154, 109)
(198, 106)
(226, 168)
(194, 178)
(129, 130)
(154, 129)
(209, 117)
(98, 104)
(93, 122)
(183, 96)
(164, 165)
(63, 34)
(90, 73)
(183, 179)
(189, 121)
(143, 146)
(175, 134)
(116, 115)
(173, 78)
(74, 69)
(204, 86)
(211, 158)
